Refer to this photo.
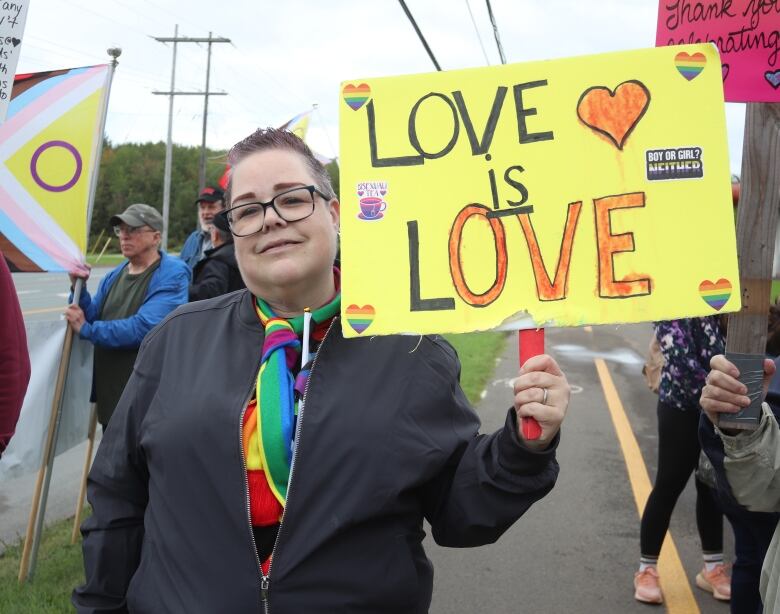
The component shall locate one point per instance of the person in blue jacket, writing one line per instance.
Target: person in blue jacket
(129, 302)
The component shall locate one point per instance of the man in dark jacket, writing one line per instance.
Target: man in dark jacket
(218, 272)
(210, 202)
(14, 360)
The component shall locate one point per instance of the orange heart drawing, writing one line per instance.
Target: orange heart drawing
(616, 113)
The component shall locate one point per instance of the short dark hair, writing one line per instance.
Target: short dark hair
(264, 139)
(224, 235)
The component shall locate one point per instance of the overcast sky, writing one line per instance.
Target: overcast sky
(286, 55)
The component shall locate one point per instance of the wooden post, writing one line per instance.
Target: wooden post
(103, 251)
(24, 568)
(757, 215)
(97, 241)
(87, 462)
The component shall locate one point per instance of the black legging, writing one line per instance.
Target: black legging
(678, 456)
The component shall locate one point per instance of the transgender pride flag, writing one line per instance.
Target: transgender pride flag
(50, 145)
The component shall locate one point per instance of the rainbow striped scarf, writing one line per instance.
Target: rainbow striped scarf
(278, 394)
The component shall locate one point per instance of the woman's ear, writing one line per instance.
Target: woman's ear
(334, 209)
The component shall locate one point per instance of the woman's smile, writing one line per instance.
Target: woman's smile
(278, 245)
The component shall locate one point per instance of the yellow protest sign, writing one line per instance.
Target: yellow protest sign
(588, 190)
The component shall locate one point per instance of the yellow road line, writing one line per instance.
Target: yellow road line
(47, 310)
(677, 590)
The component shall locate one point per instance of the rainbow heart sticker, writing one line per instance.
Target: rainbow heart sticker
(690, 65)
(715, 294)
(360, 318)
(356, 95)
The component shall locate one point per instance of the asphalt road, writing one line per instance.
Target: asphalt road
(43, 296)
(574, 552)
(577, 549)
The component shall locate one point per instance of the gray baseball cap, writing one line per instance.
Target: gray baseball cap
(139, 215)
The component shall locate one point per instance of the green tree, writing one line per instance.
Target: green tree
(133, 173)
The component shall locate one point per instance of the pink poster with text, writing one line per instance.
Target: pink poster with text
(747, 33)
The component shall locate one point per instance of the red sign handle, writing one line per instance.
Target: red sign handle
(531, 343)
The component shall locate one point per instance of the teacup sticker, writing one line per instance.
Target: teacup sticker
(371, 198)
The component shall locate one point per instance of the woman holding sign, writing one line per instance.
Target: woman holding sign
(259, 458)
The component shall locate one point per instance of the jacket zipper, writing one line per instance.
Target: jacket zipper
(266, 579)
(263, 581)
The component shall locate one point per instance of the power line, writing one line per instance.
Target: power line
(281, 86)
(126, 75)
(495, 32)
(422, 38)
(145, 15)
(476, 29)
(176, 17)
(41, 44)
(133, 10)
(124, 26)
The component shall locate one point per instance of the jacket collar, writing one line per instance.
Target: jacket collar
(246, 310)
(214, 250)
(248, 315)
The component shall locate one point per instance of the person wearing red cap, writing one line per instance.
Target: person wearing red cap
(210, 202)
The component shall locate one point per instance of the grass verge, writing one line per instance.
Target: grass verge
(60, 567)
(110, 260)
(477, 353)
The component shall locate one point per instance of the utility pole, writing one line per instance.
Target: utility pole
(202, 173)
(169, 149)
(169, 146)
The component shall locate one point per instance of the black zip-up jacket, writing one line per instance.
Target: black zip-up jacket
(216, 274)
(386, 438)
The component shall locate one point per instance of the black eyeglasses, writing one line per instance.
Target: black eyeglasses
(291, 205)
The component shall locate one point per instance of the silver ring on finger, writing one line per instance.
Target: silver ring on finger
(544, 398)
